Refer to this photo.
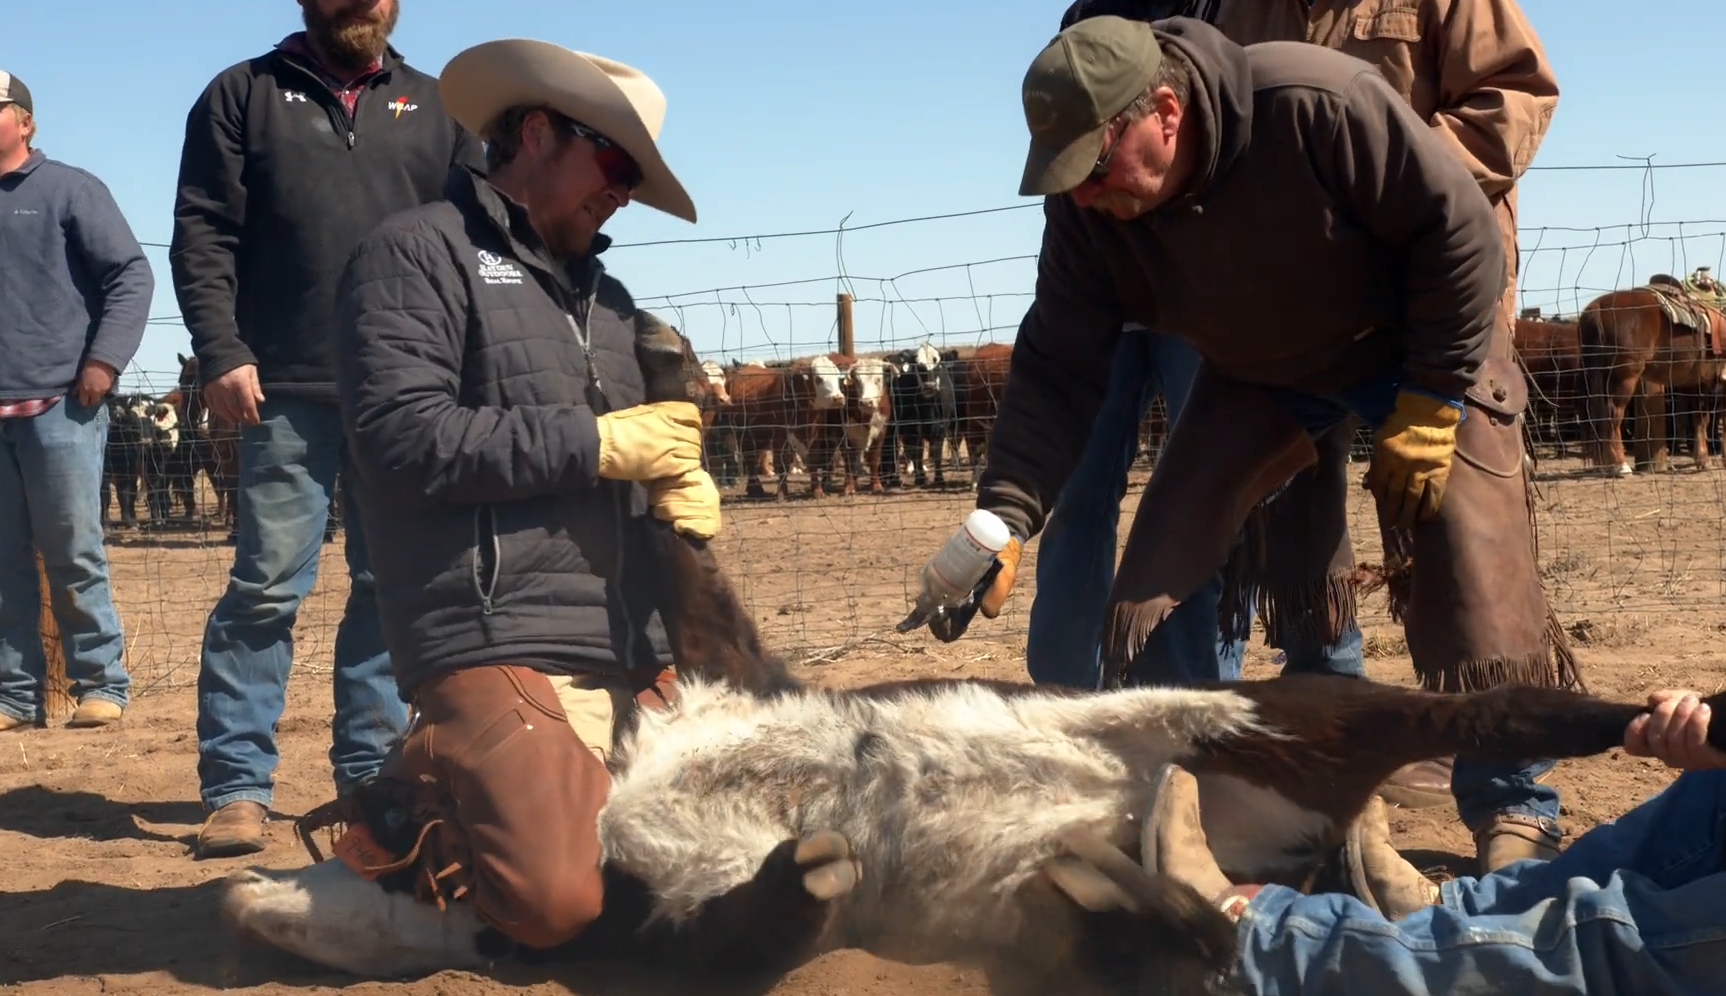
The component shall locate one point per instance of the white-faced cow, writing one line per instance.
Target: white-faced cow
(129, 425)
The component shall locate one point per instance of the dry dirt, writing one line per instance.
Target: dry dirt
(99, 893)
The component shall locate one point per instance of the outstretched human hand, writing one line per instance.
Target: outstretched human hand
(1675, 730)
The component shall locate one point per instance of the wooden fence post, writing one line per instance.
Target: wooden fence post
(57, 690)
(847, 333)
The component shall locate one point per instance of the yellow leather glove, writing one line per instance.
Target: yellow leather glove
(649, 442)
(995, 595)
(1411, 458)
(690, 503)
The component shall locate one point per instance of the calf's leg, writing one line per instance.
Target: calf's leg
(1331, 741)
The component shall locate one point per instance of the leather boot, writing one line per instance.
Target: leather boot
(1172, 841)
(94, 712)
(234, 829)
(1511, 837)
(1194, 506)
(1378, 873)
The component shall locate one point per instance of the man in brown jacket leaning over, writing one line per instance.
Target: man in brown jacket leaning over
(1159, 153)
(1475, 71)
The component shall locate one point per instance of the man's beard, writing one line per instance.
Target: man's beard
(1120, 204)
(352, 42)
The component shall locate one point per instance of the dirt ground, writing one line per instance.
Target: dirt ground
(99, 893)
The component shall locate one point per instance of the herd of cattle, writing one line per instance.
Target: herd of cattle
(885, 418)
(157, 447)
(891, 420)
(894, 418)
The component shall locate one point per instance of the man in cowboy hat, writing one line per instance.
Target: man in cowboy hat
(508, 464)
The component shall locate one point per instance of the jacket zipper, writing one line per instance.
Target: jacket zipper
(486, 591)
(619, 511)
(348, 121)
(584, 305)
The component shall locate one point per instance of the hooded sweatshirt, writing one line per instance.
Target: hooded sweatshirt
(1327, 237)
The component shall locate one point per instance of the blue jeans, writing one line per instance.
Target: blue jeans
(288, 469)
(1636, 907)
(1076, 550)
(1481, 788)
(51, 502)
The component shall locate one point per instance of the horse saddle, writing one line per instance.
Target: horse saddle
(1685, 308)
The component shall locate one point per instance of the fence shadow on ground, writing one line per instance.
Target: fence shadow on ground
(47, 814)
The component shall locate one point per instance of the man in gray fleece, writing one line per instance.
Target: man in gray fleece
(74, 293)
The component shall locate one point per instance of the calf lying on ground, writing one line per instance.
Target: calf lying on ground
(755, 824)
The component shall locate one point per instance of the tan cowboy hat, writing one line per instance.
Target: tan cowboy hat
(616, 100)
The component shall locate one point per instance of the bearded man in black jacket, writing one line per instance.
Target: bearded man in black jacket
(289, 158)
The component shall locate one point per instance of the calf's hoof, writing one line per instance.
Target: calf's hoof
(831, 869)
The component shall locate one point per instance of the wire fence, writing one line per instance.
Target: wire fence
(829, 573)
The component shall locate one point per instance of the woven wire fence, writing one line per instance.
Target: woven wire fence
(1621, 542)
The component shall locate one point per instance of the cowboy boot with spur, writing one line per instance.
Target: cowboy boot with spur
(1376, 871)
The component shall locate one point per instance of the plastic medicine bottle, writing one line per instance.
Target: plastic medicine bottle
(949, 577)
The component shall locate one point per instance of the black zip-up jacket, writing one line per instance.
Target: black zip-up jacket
(277, 183)
(472, 369)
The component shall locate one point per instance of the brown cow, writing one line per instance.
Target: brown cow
(772, 407)
(761, 412)
(978, 383)
(1551, 357)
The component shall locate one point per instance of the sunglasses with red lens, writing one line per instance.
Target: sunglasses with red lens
(618, 166)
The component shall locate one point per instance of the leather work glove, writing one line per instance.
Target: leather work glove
(1411, 457)
(996, 594)
(690, 503)
(650, 442)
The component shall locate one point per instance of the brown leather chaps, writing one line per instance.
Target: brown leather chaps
(1232, 446)
(1465, 584)
(523, 796)
(1294, 565)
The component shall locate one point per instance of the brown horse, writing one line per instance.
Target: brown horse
(1629, 346)
(215, 442)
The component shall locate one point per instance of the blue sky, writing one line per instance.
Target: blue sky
(787, 117)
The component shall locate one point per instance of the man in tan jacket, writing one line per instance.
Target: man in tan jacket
(1476, 72)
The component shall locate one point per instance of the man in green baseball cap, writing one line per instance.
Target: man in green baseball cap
(1166, 154)
(1081, 95)
(1073, 91)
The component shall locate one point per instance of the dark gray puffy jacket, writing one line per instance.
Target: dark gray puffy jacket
(469, 399)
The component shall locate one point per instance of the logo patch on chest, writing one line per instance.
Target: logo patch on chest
(494, 269)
